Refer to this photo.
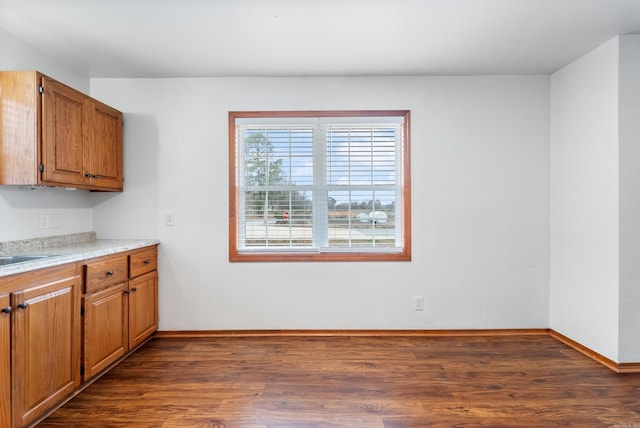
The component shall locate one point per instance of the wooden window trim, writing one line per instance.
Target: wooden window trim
(293, 256)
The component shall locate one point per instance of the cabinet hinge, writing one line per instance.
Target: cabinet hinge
(81, 369)
(81, 311)
(41, 167)
(41, 89)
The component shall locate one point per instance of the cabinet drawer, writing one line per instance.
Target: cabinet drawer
(104, 273)
(143, 261)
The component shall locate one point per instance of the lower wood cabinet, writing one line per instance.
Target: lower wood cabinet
(143, 308)
(45, 341)
(51, 333)
(105, 328)
(120, 312)
(5, 358)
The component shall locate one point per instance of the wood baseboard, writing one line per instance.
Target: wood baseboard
(616, 367)
(584, 350)
(628, 368)
(353, 333)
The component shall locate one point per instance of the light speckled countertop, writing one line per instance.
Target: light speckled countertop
(65, 250)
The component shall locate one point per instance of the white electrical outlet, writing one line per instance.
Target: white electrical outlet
(45, 221)
(419, 303)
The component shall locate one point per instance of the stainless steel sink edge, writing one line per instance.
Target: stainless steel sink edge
(9, 260)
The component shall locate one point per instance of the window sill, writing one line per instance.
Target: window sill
(320, 257)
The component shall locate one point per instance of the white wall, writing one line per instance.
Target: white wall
(20, 209)
(480, 204)
(584, 200)
(480, 201)
(629, 135)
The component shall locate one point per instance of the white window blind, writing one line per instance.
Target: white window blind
(322, 184)
(276, 186)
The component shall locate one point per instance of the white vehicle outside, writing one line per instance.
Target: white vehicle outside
(378, 217)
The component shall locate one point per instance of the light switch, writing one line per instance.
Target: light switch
(169, 218)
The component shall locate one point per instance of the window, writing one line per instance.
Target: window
(328, 185)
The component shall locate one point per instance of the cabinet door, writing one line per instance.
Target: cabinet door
(143, 308)
(64, 119)
(5, 368)
(105, 328)
(19, 129)
(105, 141)
(45, 344)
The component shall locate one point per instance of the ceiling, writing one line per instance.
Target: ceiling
(192, 38)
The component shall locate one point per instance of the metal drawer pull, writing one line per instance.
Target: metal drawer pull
(110, 273)
(23, 305)
(146, 262)
(7, 310)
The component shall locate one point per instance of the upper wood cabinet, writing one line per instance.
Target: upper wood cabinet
(105, 146)
(53, 135)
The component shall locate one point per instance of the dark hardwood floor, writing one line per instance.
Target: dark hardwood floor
(514, 381)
